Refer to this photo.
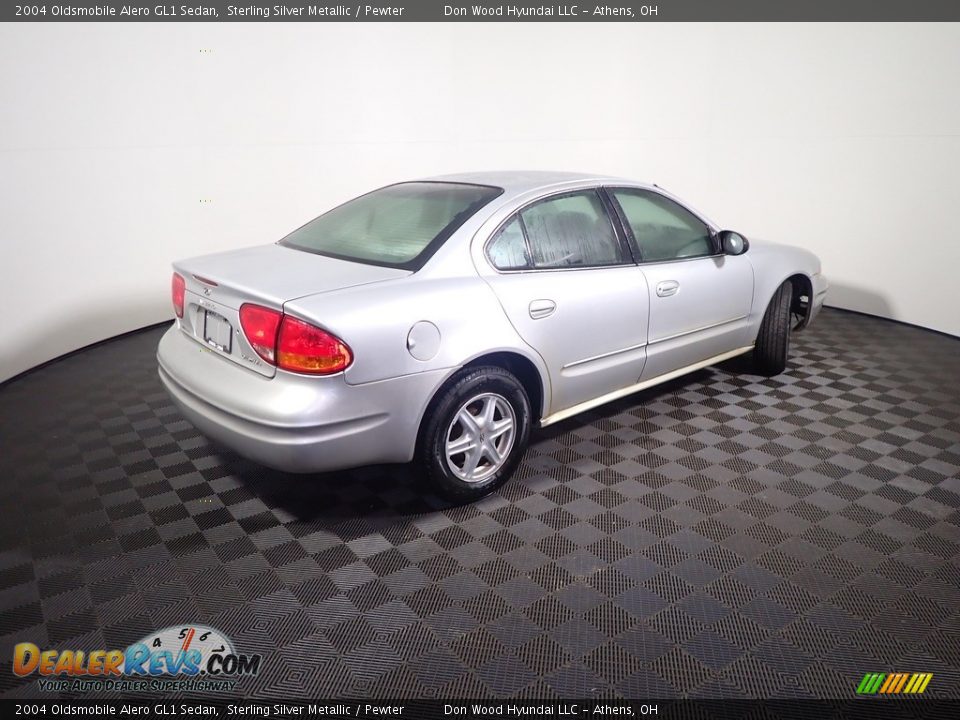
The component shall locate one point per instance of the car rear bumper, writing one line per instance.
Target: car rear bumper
(294, 422)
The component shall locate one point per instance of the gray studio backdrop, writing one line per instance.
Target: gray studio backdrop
(124, 146)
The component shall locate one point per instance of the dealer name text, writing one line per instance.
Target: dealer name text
(520, 12)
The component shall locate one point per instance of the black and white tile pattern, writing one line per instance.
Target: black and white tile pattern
(723, 535)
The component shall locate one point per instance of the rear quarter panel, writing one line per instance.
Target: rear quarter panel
(376, 320)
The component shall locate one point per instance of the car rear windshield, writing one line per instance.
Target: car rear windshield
(397, 226)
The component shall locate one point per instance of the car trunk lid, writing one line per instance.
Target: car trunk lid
(270, 275)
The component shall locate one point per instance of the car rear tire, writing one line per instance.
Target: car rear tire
(773, 340)
(474, 433)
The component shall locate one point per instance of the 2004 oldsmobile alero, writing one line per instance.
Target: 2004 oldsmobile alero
(440, 320)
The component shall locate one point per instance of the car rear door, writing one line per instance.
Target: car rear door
(569, 286)
(700, 299)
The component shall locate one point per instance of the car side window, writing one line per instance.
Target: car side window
(663, 229)
(508, 250)
(571, 231)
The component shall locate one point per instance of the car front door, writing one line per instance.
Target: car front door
(700, 299)
(570, 288)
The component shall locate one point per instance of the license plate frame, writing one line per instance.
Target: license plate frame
(217, 331)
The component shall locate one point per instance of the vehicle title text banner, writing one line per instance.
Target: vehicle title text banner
(483, 11)
(449, 709)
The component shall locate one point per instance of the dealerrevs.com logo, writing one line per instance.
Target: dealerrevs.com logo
(180, 657)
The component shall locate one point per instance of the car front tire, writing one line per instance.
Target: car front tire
(474, 433)
(773, 340)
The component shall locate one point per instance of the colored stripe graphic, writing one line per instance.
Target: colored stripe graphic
(919, 684)
(894, 683)
(890, 682)
(903, 680)
(870, 683)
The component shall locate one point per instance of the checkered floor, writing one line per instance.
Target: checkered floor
(723, 535)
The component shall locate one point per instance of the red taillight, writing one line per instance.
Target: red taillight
(178, 288)
(260, 325)
(292, 344)
(308, 349)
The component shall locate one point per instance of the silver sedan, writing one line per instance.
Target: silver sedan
(441, 320)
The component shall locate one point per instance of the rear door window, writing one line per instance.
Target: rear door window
(571, 231)
(508, 250)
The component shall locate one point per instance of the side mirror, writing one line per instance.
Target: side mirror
(733, 243)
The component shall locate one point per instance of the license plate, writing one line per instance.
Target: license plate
(217, 331)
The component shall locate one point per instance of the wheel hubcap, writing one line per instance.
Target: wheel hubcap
(480, 438)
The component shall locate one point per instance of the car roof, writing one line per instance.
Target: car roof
(520, 181)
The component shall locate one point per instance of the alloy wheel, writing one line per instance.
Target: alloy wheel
(480, 437)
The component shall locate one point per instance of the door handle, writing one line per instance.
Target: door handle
(542, 308)
(667, 288)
